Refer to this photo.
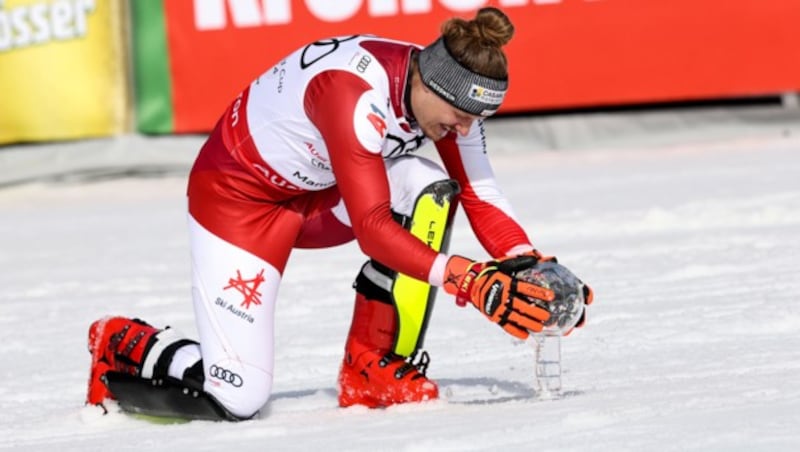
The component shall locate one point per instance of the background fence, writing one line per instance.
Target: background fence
(63, 62)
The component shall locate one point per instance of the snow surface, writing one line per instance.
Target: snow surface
(692, 343)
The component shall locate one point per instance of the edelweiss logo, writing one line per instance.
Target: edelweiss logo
(247, 287)
(377, 119)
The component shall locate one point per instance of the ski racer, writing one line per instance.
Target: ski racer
(318, 151)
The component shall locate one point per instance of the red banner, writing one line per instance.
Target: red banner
(565, 54)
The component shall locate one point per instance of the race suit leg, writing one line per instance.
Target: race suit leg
(240, 244)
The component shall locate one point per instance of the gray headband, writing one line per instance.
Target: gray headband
(473, 93)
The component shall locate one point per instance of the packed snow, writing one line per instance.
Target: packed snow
(692, 343)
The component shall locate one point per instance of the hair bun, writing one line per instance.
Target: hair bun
(493, 27)
(478, 43)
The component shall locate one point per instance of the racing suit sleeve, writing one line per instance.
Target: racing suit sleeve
(330, 102)
(488, 210)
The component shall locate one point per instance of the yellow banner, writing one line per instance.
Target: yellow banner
(62, 69)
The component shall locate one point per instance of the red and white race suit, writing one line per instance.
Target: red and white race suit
(315, 152)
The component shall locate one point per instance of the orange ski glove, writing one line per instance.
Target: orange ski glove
(588, 297)
(492, 289)
(588, 293)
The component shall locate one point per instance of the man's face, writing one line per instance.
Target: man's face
(435, 116)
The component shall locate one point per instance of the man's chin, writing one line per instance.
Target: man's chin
(432, 136)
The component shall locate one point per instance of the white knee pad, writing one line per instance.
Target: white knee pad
(241, 388)
(408, 177)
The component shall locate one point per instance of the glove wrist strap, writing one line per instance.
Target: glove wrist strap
(473, 271)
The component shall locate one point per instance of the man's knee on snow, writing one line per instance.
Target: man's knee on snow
(241, 389)
(238, 389)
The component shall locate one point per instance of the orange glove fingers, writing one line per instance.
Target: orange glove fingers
(532, 290)
(522, 321)
(530, 310)
(536, 327)
(515, 331)
(588, 294)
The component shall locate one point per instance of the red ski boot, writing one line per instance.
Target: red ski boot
(371, 374)
(119, 344)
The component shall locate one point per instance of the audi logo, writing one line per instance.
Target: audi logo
(226, 375)
(363, 63)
